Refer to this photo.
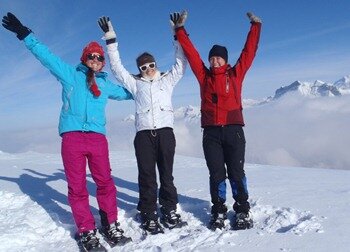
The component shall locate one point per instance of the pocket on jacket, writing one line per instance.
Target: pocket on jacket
(142, 110)
(166, 108)
(207, 117)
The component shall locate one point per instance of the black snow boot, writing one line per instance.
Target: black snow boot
(171, 219)
(88, 241)
(217, 221)
(114, 235)
(242, 221)
(218, 216)
(150, 224)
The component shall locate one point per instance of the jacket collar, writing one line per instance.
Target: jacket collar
(83, 68)
(220, 70)
(156, 77)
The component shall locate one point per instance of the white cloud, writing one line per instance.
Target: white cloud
(300, 131)
(294, 131)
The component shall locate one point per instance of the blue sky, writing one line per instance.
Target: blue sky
(301, 40)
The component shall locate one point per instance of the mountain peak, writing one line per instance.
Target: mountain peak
(316, 89)
(343, 85)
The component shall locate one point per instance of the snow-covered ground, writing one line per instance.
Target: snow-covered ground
(294, 208)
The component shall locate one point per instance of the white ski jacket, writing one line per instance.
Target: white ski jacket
(154, 108)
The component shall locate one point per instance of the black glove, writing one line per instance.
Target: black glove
(103, 23)
(174, 18)
(11, 23)
(178, 19)
(107, 27)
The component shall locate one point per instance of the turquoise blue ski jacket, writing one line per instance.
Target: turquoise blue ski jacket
(81, 111)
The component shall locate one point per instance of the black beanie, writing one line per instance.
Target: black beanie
(144, 58)
(218, 50)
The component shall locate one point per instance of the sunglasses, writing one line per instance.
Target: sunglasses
(144, 67)
(91, 56)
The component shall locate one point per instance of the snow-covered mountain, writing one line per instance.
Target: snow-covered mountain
(189, 113)
(316, 89)
(343, 85)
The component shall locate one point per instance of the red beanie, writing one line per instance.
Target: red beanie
(92, 47)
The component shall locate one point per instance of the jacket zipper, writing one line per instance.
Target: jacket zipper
(152, 111)
(227, 83)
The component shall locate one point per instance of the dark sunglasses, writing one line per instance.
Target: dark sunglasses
(100, 58)
(144, 67)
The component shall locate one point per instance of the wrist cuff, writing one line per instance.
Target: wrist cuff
(23, 32)
(110, 41)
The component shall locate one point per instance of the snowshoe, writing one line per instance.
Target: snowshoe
(217, 221)
(171, 219)
(152, 227)
(88, 242)
(150, 224)
(114, 235)
(242, 221)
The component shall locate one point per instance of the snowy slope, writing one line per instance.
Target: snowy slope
(295, 209)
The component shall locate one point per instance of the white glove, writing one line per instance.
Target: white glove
(253, 18)
(178, 20)
(107, 27)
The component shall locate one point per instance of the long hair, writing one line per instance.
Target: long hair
(90, 79)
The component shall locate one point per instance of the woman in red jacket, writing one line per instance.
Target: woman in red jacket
(222, 119)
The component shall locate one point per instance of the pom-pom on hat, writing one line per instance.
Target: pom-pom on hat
(92, 47)
(218, 50)
(144, 58)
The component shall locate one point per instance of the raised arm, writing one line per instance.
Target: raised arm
(178, 69)
(57, 67)
(247, 56)
(193, 57)
(119, 71)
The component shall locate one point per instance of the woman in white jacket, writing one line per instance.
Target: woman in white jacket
(154, 141)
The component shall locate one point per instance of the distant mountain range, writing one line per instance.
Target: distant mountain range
(316, 89)
(306, 89)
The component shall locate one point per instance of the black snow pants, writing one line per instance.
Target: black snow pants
(224, 151)
(155, 147)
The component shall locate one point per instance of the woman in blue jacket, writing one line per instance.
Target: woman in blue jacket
(85, 90)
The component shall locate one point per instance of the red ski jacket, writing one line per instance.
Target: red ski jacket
(221, 87)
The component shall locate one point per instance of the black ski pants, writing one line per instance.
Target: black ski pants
(155, 147)
(224, 150)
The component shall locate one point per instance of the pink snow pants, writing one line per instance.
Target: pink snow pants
(77, 149)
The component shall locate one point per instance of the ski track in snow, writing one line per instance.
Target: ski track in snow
(39, 232)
